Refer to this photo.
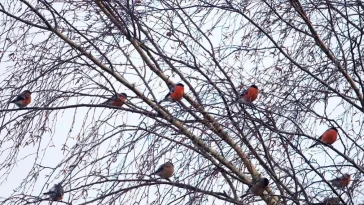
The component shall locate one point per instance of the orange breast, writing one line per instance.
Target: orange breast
(122, 98)
(252, 94)
(27, 100)
(329, 137)
(60, 198)
(345, 182)
(177, 95)
(119, 102)
(167, 172)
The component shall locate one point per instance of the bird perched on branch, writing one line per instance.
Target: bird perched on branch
(248, 96)
(329, 201)
(258, 188)
(116, 100)
(23, 99)
(55, 193)
(175, 94)
(165, 171)
(328, 137)
(341, 182)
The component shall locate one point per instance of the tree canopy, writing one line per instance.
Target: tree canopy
(305, 57)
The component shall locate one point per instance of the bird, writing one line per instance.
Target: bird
(248, 95)
(165, 171)
(258, 188)
(329, 201)
(175, 94)
(328, 137)
(23, 99)
(55, 193)
(116, 100)
(341, 182)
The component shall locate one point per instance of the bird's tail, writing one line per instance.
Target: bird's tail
(313, 145)
(159, 114)
(107, 102)
(161, 101)
(234, 102)
(247, 191)
(48, 193)
(244, 195)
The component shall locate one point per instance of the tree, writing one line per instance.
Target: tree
(305, 57)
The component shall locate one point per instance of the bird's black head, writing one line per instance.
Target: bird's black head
(334, 128)
(265, 181)
(124, 94)
(180, 84)
(254, 86)
(170, 163)
(27, 91)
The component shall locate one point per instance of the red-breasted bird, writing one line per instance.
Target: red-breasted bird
(248, 96)
(23, 99)
(328, 137)
(165, 171)
(258, 188)
(329, 201)
(175, 94)
(55, 193)
(341, 182)
(117, 100)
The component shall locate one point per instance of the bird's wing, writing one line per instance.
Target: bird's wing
(244, 92)
(108, 101)
(173, 88)
(19, 97)
(115, 97)
(171, 91)
(159, 169)
(168, 94)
